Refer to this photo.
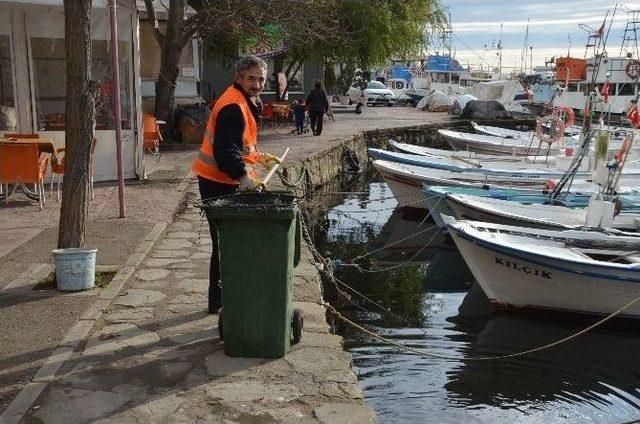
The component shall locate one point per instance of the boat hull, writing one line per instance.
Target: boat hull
(514, 279)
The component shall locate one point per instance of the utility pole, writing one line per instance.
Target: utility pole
(115, 73)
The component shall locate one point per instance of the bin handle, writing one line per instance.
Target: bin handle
(298, 241)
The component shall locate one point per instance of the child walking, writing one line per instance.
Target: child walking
(299, 111)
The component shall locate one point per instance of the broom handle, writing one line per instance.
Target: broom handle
(275, 167)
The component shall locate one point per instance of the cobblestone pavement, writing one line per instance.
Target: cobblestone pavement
(155, 355)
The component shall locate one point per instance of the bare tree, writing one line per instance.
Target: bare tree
(79, 123)
(230, 22)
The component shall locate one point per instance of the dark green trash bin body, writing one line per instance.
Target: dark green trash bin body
(259, 247)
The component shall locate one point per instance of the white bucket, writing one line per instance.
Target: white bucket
(75, 268)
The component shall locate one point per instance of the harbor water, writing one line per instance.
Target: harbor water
(435, 307)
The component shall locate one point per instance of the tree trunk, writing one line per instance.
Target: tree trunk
(171, 49)
(278, 66)
(79, 123)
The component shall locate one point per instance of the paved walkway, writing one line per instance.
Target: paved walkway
(35, 323)
(155, 356)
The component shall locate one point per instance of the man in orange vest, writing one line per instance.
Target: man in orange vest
(228, 155)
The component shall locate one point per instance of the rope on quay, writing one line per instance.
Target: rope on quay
(325, 270)
(421, 352)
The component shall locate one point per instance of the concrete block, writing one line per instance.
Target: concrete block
(78, 332)
(20, 405)
(139, 297)
(66, 406)
(152, 274)
(344, 413)
(113, 338)
(53, 364)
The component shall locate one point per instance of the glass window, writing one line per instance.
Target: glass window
(8, 115)
(376, 85)
(295, 81)
(626, 89)
(572, 87)
(50, 73)
(101, 69)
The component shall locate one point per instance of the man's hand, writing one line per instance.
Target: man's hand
(268, 160)
(249, 184)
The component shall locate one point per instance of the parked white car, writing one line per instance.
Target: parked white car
(376, 93)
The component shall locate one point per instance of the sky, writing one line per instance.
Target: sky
(476, 28)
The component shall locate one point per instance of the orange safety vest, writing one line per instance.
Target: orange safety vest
(205, 163)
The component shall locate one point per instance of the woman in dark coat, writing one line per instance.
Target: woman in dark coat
(318, 105)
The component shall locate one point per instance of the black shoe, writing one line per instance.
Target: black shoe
(214, 309)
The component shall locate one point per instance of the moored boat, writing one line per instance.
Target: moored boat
(542, 216)
(571, 270)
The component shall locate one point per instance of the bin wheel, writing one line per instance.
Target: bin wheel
(220, 325)
(297, 322)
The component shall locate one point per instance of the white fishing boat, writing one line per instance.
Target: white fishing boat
(570, 270)
(501, 132)
(502, 172)
(405, 181)
(462, 156)
(494, 145)
(508, 212)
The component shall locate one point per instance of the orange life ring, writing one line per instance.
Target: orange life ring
(549, 186)
(633, 69)
(634, 116)
(556, 129)
(566, 114)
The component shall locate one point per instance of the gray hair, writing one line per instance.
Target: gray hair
(249, 62)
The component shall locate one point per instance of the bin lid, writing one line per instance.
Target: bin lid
(266, 205)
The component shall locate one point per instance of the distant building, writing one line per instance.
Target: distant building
(217, 75)
(188, 83)
(33, 78)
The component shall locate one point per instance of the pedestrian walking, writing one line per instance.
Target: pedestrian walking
(299, 114)
(318, 105)
(228, 154)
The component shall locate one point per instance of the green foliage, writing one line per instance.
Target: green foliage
(375, 31)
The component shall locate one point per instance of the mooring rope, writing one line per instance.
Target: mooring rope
(325, 270)
(422, 352)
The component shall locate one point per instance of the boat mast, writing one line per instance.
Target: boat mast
(523, 57)
(500, 52)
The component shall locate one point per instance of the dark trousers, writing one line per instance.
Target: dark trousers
(299, 124)
(316, 122)
(211, 189)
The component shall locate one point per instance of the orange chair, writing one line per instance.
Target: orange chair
(267, 115)
(21, 164)
(151, 136)
(22, 136)
(59, 165)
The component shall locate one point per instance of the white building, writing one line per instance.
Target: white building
(33, 78)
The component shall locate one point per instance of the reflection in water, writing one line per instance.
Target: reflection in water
(595, 378)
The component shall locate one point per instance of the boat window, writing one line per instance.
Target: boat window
(572, 87)
(455, 78)
(626, 89)
(399, 85)
(376, 85)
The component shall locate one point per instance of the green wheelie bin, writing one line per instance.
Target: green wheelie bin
(259, 238)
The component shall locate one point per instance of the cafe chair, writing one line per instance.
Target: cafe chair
(59, 164)
(151, 136)
(21, 164)
(17, 136)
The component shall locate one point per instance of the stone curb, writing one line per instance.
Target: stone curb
(30, 393)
